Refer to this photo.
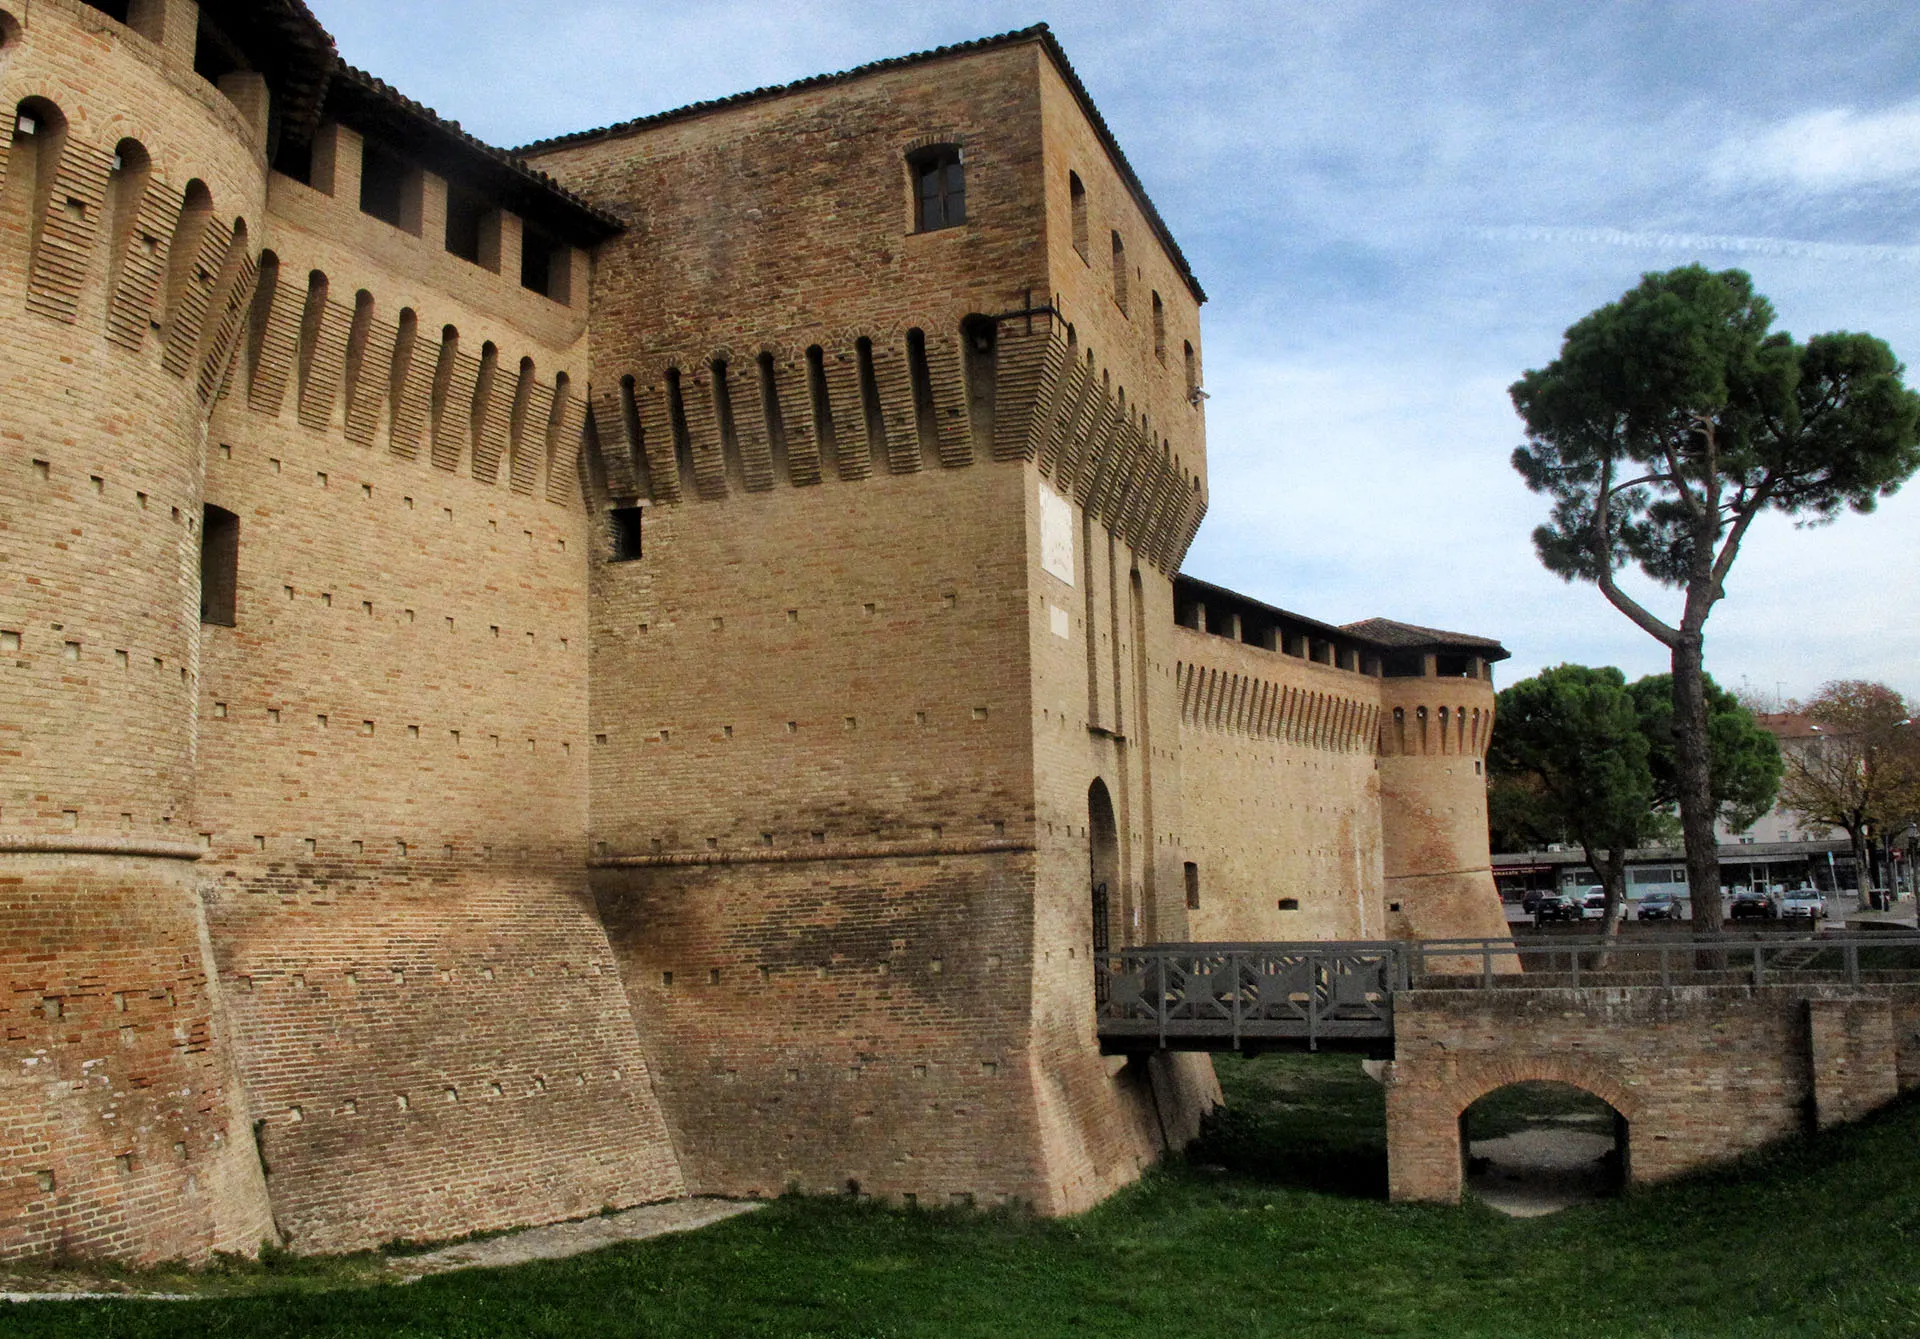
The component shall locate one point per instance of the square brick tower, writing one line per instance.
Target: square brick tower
(897, 436)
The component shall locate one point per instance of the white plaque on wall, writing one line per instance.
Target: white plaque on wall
(1058, 616)
(1056, 534)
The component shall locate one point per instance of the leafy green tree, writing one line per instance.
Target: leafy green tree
(1746, 758)
(1569, 757)
(1670, 421)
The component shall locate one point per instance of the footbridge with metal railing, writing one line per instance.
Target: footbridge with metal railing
(1340, 994)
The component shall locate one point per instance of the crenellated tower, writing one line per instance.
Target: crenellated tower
(1436, 718)
(129, 219)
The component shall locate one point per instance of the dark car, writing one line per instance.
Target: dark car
(1659, 907)
(1531, 902)
(1556, 907)
(1752, 904)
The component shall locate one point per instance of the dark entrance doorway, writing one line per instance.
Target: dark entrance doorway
(1103, 856)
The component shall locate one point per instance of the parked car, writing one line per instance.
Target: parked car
(1556, 907)
(1659, 907)
(1531, 902)
(1753, 904)
(1803, 901)
(1593, 904)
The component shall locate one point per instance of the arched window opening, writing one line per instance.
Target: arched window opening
(184, 264)
(229, 297)
(9, 30)
(1159, 327)
(876, 418)
(682, 436)
(939, 187)
(403, 345)
(560, 466)
(482, 423)
(310, 322)
(357, 389)
(219, 565)
(1077, 200)
(729, 435)
(925, 415)
(635, 437)
(1540, 1145)
(1103, 862)
(823, 427)
(1193, 376)
(444, 450)
(33, 165)
(1191, 870)
(264, 289)
(126, 187)
(521, 467)
(1120, 272)
(771, 416)
(980, 353)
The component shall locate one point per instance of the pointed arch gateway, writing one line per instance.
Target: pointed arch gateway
(1103, 874)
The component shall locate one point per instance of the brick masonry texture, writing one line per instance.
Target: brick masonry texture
(471, 872)
(1700, 1073)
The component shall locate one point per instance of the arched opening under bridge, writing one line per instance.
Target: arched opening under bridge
(1538, 1145)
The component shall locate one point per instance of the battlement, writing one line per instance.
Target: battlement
(899, 401)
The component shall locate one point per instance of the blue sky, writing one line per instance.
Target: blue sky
(1396, 209)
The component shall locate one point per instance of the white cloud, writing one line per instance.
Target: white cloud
(1834, 149)
(1694, 242)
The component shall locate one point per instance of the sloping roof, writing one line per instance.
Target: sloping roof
(1192, 585)
(1789, 725)
(1039, 32)
(1406, 636)
(366, 101)
(296, 52)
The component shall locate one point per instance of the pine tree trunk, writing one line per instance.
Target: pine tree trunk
(1694, 766)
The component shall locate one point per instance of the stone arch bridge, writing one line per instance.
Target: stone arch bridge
(1706, 1049)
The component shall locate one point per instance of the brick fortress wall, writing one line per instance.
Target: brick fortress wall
(1283, 777)
(835, 588)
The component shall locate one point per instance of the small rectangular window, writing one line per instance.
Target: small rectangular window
(624, 523)
(939, 188)
(1193, 886)
(219, 565)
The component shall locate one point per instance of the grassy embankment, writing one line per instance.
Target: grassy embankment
(1274, 1226)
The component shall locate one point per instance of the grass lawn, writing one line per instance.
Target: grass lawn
(1274, 1225)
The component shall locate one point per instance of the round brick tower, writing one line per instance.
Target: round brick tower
(1436, 719)
(125, 273)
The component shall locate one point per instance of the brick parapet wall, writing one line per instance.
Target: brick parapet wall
(1701, 1073)
(1283, 792)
